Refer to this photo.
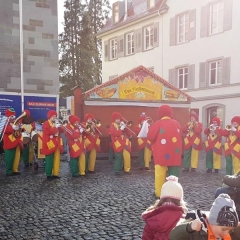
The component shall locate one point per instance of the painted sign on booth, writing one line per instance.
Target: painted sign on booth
(139, 84)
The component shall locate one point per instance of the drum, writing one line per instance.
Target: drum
(26, 137)
(34, 136)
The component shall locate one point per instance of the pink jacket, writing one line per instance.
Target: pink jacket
(160, 222)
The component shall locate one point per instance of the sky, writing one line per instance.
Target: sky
(61, 13)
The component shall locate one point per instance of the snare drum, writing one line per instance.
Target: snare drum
(26, 137)
(34, 136)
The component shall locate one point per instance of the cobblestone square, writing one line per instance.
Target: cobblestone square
(97, 206)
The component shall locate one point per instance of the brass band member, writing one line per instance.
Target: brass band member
(213, 146)
(12, 144)
(232, 146)
(27, 153)
(192, 143)
(92, 142)
(52, 145)
(144, 145)
(76, 146)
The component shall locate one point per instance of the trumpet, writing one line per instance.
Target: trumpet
(212, 127)
(229, 127)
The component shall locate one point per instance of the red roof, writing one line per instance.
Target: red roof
(131, 72)
(137, 9)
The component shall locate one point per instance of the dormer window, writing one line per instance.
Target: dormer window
(151, 3)
(115, 12)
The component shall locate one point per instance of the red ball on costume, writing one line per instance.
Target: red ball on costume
(116, 115)
(236, 119)
(73, 119)
(10, 112)
(216, 119)
(87, 116)
(165, 111)
(51, 113)
(194, 115)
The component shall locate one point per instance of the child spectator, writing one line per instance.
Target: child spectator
(217, 224)
(163, 216)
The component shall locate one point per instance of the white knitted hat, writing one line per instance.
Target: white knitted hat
(172, 189)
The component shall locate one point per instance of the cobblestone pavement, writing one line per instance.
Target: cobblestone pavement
(97, 206)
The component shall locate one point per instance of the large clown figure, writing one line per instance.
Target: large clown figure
(165, 137)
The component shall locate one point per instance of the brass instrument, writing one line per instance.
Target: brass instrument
(229, 127)
(145, 127)
(94, 125)
(149, 120)
(59, 121)
(212, 127)
(17, 133)
(191, 125)
(3, 125)
(128, 124)
(86, 129)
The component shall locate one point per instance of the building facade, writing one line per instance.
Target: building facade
(192, 44)
(40, 48)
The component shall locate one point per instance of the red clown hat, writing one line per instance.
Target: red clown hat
(116, 115)
(10, 112)
(87, 116)
(165, 111)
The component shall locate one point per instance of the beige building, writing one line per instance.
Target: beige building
(192, 44)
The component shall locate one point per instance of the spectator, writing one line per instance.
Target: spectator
(166, 212)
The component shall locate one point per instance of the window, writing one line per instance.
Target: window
(182, 28)
(182, 78)
(129, 44)
(113, 49)
(116, 13)
(151, 3)
(148, 37)
(215, 72)
(216, 17)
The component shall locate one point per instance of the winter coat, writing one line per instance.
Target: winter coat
(183, 231)
(166, 142)
(232, 180)
(160, 221)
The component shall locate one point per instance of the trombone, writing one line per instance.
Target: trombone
(86, 129)
(229, 127)
(128, 125)
(59, 121)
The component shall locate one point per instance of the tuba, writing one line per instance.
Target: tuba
(145, 127)
(3, 125)
(17, 133)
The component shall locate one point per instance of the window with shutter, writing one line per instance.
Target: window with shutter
(226, 65)
(129, 40)
(155, 34)
(113, 49)
(216, 17)
(106, 50)
(121, 46)
(148, 37)
(215, 72)
(202, 75)
(191, 77)
(138, 40)
(182, 28)
(182, 77)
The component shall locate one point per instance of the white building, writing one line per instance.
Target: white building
(194, 44)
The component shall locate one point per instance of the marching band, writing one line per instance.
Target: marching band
(21, 136)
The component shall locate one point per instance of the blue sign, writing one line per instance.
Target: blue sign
(38, 106)
(10, 101)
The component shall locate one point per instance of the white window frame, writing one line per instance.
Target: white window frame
(113, 49)
(151, 3)
(218, 14)
(217, 68)
(148, 37)
(129, 40)
(185, 27)
(184, 74)
(116, 13)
